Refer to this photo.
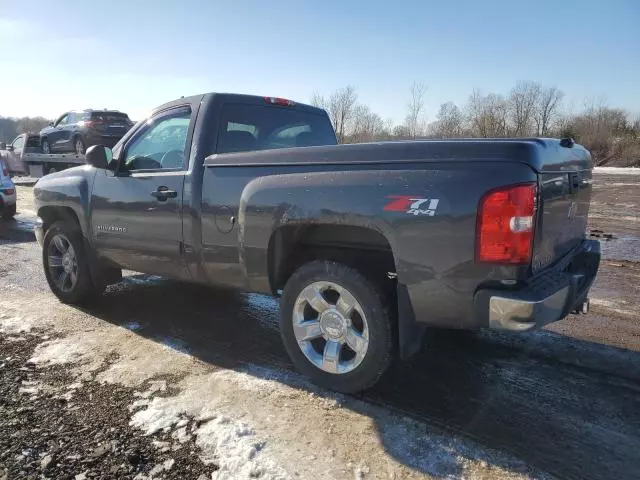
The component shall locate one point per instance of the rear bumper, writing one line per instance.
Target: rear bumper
(549, 297)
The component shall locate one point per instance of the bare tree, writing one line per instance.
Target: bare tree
(487, 115)
(367, 126)
(415, 122)
(449, 121)
(340, 106)
(522, 107)
(318, 100)
(546, 109)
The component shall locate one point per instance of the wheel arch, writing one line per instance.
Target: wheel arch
(365, 249)
(51, 214)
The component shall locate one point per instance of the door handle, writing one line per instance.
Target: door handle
(163, 193)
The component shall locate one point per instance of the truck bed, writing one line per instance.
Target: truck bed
(37, 161)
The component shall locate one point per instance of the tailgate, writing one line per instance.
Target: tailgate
(562, 213)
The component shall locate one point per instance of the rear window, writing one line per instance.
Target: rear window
(110, 117)
(254, 127)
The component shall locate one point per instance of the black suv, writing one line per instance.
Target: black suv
(76, 131)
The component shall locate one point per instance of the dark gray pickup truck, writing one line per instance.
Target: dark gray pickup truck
(367, 244)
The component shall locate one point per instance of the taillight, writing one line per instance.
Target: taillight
(5, 172)
(505, 228)
(9, 191)
(279, 101)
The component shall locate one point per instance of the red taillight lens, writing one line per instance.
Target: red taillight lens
(505, 225)
(9, 191)
(5, 172)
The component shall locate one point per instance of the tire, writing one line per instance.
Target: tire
(78, 146)
(80, 291)
(9, 212)
(49, 169)
(44, 146)
(376, 325)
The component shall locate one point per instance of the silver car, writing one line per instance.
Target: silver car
(7, 193)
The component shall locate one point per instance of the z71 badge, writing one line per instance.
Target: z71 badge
(412, 205)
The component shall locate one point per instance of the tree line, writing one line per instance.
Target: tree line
(530, 109)
(10, 128)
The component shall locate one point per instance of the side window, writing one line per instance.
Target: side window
(18, 143)
(63, 121)
(160, 145)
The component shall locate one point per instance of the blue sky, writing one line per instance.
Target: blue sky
(134, 55)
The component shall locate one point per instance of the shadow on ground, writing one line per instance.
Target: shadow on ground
(17, 230)
(566, 407)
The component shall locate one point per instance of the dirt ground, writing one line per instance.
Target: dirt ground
(163, 380)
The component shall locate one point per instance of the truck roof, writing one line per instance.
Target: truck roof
(194, 100)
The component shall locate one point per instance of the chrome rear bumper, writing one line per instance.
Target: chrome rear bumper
(547, 298)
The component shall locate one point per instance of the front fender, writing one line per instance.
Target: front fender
(67, 190)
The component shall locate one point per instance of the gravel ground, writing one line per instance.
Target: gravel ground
(159, 371)
(65, 430)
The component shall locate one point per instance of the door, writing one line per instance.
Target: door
(56, 135)
(136, 211)
(68, 131)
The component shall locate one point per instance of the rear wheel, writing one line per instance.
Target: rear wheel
(66, 264)
(336, 326)
(50, 169)
(44, 145)
(79, 146)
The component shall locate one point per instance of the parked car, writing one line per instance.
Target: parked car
(75, 131)
(7, 193)
(368, 244)
(12, 154)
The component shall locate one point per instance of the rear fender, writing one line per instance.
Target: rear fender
(311, 198)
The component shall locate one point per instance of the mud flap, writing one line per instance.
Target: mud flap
(410, 332)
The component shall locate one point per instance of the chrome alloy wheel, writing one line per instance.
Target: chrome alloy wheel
(62, 263)
(330, 327)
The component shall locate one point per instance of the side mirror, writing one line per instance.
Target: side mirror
(99, 156)
(9, 148)
(51, 124)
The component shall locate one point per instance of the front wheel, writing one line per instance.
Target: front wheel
(79, 146)
(66, 264)
(336, 326)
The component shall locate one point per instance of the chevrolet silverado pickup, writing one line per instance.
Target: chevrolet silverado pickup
(366, 244)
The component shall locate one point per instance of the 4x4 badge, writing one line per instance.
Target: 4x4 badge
(412, 205)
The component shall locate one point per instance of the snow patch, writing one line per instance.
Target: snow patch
(29, 387)
(14, 325)
(175, 344)
(133, 326)
(56, 352)
(232, 445)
